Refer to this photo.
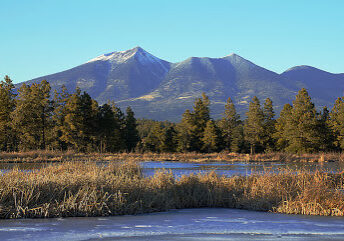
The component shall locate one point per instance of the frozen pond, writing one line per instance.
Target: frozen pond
(185, 224)
(235, 168)
(221, 168)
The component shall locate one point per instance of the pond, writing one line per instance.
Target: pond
(221, 168)
(184, 224)
(236, 168)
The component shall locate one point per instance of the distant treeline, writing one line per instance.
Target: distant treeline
(32, 119)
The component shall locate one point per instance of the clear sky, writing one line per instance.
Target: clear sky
(39, 37)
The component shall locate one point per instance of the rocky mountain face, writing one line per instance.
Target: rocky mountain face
(160, 90)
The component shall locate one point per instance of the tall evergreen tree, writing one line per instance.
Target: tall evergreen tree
(79, 129)
(200, 117)
(131, 133)
(32, 116)
(280, 136)
(303, 126)
(169, 143)
(59, 115)
(186, 133)
(106, 128)
(327, 137)
(155, 138)
(254, 125)
(230, 127)
(211, 138)
(337, 122)
(269, 125)
(193, 124)
(119, 143)
(7, 106)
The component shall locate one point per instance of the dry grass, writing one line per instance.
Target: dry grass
(58, 156)
(85, 189)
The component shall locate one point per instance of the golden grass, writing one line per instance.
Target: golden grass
(86, 189)
(59, 156)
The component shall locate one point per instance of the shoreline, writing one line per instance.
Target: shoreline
(59, 156)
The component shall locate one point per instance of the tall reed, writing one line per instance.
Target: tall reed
(86, 189)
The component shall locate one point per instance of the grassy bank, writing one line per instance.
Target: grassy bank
(84, 189)
(59, 156)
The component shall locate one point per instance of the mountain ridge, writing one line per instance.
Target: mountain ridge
(161, 90)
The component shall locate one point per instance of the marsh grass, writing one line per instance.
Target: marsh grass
(75, 189)
(59, 156)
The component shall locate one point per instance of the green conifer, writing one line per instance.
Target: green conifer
(269, 126)
(230, 127)
(280, 136)
(131, 133)
(7, 106)
(211, 137)
(80, 125)
(32, 116)
(254, 125)
(337, 122)
(302, 130)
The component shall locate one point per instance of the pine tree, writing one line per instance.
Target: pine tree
(154, 139)
(79, 129)
(254, 125)
(326, 134)
(230, 127)
(269, 125)
(59, 115)
(302, 130)
(7, 106)
(186, 133)
(131, 133)
(106, 128)
(200, 117)
(119, 132)
(32, 116)
(211, 137)
(337, 122)
(193, 124)
(169, 143)
(280, 136)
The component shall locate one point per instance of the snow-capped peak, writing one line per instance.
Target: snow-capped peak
(122, 56)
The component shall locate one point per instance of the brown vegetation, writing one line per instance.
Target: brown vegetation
(60, 156)
(86, 189)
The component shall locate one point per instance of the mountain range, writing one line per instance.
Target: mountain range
(160, 90)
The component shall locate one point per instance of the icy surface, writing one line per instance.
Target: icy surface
(185, 224)
(221, 168)
(234, 168)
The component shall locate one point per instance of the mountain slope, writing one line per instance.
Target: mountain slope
(220, 78)
(324, 87)
(160, 90)
(114, 76)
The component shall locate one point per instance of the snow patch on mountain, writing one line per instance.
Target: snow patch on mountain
(141, 55)
(118, 57)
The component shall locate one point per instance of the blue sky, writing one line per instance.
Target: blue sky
(44, 37)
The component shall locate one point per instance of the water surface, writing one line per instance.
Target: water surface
(185, 224)
(221, 168)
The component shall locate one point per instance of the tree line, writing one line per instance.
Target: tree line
(300, 128)
(31, 119)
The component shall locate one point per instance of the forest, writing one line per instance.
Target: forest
(33, 118)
